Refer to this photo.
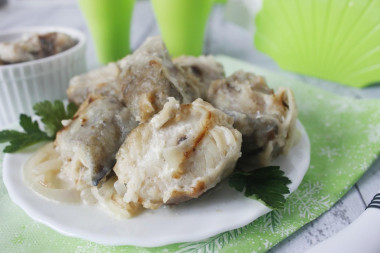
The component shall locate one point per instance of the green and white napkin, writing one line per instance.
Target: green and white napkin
(345, 141)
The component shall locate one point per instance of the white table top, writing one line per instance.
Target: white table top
(222, 38)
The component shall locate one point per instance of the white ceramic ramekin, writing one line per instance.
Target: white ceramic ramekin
(24, 84)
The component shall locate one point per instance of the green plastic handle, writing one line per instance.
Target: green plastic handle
(182, 24)
(109, 24)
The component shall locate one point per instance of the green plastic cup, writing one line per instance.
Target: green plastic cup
(109, 24)
(182, 24)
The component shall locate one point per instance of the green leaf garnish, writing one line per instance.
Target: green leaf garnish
(19, 140)
(51, 115)
(268, 184)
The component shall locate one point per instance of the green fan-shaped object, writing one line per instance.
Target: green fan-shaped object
(337, 40)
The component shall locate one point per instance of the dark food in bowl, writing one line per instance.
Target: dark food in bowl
(35, 47)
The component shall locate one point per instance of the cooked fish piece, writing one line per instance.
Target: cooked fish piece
(88, 143)
(49, 44)
(143, 80)
(149, 77)
(61, 42)
(14, 53)
(179, 154)
(201, 70)
(35, 47)
(266, 119)
(102, 81)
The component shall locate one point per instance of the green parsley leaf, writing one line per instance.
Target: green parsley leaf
(28, 125)
(268, 184)
(53, 113)
(19, 140)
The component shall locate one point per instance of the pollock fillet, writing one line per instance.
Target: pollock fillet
(265, 118)
(89, 142)
(102, 81)
(35, 47)
(178, 155)
(143, 81)
(149, 77)
(201, 70)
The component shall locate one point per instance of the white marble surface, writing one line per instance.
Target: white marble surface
(222, 38)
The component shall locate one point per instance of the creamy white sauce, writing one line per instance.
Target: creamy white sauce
(42, 174)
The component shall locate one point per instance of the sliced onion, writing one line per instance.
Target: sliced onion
(58, 195)
(46, 152)
(87, 197)
(40, 173)
(120, 188)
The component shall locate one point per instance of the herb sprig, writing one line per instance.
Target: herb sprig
(51, 113)
(268, 184)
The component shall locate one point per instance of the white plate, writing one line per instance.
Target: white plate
(218, 210)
